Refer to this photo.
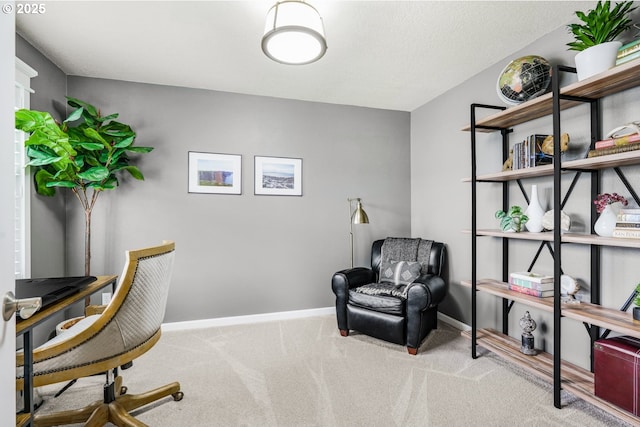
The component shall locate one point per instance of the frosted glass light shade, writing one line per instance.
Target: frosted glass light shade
(294, 33)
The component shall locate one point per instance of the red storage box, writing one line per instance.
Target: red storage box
(617, 372)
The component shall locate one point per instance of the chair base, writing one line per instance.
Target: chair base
(117, 412)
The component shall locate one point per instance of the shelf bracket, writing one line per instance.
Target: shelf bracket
(626, 183)
(571, 187)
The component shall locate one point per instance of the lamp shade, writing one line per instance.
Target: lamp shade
(359, 215)
(294, 33)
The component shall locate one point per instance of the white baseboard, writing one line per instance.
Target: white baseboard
(283, 315)
(243, 320)
(453, 322)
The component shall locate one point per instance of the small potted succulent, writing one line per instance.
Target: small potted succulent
(595, 37)
(512, 220)
(636, 301)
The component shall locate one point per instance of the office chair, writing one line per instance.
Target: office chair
(128, 328)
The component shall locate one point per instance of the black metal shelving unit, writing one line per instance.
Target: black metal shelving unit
(552, 104)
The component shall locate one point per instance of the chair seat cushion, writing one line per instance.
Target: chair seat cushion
(383, 297)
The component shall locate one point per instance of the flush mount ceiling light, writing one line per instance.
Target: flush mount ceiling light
(294, 33)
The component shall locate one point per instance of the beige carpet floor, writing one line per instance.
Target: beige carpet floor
(303, 373)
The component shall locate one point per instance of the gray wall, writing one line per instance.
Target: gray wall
(246, 254)
(441, 202)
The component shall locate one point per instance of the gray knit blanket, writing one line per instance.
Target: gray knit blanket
(406, 249)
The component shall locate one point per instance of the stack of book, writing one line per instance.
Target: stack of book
(628, 224)
(528, 153)
(537, 285)
(628, 52)
(616, 145)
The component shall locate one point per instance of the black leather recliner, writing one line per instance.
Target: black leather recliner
(396, 300)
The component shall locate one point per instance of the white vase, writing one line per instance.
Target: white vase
(535, 212)
(596, 59)
(606, 222)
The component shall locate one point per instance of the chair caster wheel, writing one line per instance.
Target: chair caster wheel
(123, 390)
(177, 396)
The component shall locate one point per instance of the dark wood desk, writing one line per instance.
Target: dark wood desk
(25, 326)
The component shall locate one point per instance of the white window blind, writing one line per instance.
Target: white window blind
(23, 91)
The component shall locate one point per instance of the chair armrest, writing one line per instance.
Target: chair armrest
(90, 310)
(350, 278)
(425, 291)
(341, 282)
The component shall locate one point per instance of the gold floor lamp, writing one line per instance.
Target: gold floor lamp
(359, 216)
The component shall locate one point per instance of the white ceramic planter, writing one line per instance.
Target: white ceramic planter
(596, 59)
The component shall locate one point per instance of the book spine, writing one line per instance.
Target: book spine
(615, 142)
(632, 211)
(626, 233)
(532, 292)
(628, 58)
(532, 277)
(628, 217)
(614, 150)
(632, 225)
(629, 48)
(531, 285)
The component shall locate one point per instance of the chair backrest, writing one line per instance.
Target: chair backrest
(435, 263)
(140, 299)
(128, 327)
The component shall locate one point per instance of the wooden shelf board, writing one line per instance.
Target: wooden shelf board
(575, 379)
(22, 419)
(592, 239)
(593, 314)
(501, 289)
(524, 235)
(545, 170)
(602, 162)
(619, 321)
(590, 163)
(579, 238)
(617, 79)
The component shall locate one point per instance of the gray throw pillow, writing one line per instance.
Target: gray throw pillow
(399, 272)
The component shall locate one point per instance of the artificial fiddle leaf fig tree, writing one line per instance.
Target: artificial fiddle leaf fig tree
(85, 154)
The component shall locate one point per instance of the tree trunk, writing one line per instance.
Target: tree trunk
(87, 249)
(87, 242)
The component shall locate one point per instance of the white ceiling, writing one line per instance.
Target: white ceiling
(394, 55)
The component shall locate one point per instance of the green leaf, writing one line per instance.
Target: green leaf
(92, 146)
(75, 115)
(43, 161)
(42, 177)
(109, 117)
(26, 120)
(506, 223)
(95, 135)
(93, 111)
(97, 173)
(125, 142)
(135, 172)
(140, 149)
(66, 184)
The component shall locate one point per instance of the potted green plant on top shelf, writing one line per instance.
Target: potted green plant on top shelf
(85, 154)
(595, 37)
